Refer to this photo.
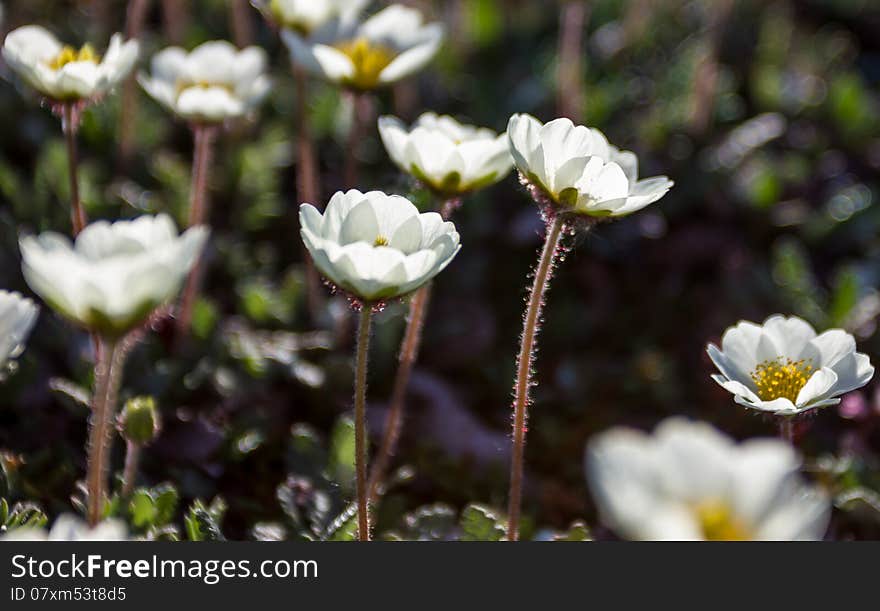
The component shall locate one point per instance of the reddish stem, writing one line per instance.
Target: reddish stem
(70, 125)
(525, 360)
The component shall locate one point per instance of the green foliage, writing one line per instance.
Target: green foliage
(21, 515)
(481, 523)
(202, 522)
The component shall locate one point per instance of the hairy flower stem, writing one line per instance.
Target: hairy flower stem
(108, 376)
(362, 116)
(360, 421)
(129, 474)
(70, 125)
(409, 352)
(198, 214)
(307, 182)
(531, 325)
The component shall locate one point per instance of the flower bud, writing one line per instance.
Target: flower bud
(139, 421)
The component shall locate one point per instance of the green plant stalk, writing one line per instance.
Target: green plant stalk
(108, 376)
(525, 360)
(129, 474)
(360, 421)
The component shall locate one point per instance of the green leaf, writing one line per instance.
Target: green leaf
(481, 523)
(342, 453)
(344, 527)
(578, 531)
(202, 523)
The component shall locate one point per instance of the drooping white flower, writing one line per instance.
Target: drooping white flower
(306, 16)
(114, 275)
(449, 157)
(784, 368)
(17, 315)
(70, 528)
(211, 84)
(65, 74)
(384, 48)
(687, 481)
(377, 246)
(573, 169)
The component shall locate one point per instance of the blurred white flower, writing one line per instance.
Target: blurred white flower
(573, 169)
(17, 316)
(306, 16)
(784, 368)
(445, 155)
(381, 50)
(212, 83)
(65, 74)
(687, 481)
(114, 275)
(70, 528)
(377, 246)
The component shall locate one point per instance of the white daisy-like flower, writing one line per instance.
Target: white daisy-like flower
(17, 316)
(574, 170)
(447, 156)
(68, 527)
(211, 84)
(114, 275)
(687, 481)
(377, 246)
(63, 73)
(384, 48)
(784, 368)
(306, 16)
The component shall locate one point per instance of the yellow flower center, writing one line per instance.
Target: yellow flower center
(68, 55)
(380, 240)
(719, 524)
(369, 61)
(781, 378)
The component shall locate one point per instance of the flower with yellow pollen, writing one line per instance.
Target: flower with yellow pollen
(365, 55)
(687, 481)
(785, 368)
(213, 83)
(376, 246)
(64, 73)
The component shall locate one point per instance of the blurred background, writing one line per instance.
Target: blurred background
(766, 113)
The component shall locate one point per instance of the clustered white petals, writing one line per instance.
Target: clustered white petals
(306, 16)
(577, 171)
(62, 73)
(687, 481)
(386, 47)
(211, 84)
(17, 315)
(377, 246)
(68, 527)
(785, 368)
(447, 156)
(115, 274)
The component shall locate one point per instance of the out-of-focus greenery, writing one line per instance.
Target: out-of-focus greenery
(767, 116)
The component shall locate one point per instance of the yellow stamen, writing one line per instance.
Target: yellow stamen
(68, 55)
(719, 524)
(369, 60)
(781, 378)
(380, 241)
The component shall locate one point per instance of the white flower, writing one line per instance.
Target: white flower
(784, 368)
(385, 48)
(63, 73)
(687, 481)
(17, 316)
(377, 246)
(70, 528)
(212, 83)
(445, 155)
(577, 171)
(116, 274)
(306, 16)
